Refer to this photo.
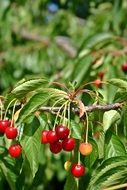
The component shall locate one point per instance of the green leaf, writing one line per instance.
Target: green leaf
(99, 38)
(109, 118)
(120, 96)
(114, 147)
(76, 130)
(32, 105)
(90, 160)
(31, 144)
(119, 83)
(107, 169)
(22, 89)
(70, 183)
(11, 170)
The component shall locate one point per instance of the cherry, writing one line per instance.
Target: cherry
(124, 67)
(56, 147)
(78, 170)
(44, 139)
(15, 150)
(85, 148)
(68, 144)
(51, 136)
(11, 132)
(101, 74)
(4, 124)
(98, 83)
(62, 132)
(67, 165)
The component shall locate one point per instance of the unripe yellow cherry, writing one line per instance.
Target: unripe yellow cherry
(85, 149)
(67, 165)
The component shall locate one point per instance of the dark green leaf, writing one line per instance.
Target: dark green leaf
(76, 130)
(70, 183)
(31, 145)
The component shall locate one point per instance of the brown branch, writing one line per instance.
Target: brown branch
(87, 108)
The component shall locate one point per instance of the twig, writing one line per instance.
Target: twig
(87, 108)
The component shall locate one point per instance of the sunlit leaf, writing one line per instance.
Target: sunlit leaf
(109, 118)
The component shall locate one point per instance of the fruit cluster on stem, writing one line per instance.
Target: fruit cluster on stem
(58, 139)
(7, 128)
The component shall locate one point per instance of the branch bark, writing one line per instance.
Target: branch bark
(90, 108)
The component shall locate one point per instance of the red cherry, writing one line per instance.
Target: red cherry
(44, 137)
(56, 147)
(124, 67)
(62, 132)
(4, 124)
(98, 83)
(85, 148)
(68, 144)
(11, 132)
(51, 137)
(15, 150)
(77, 170)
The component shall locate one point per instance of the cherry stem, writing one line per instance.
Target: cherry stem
(69, 117)
(64, 113)
(87, 127)
(77, 182)
(58, 113)
(57, 102)
(13, 111)
(78, 157)
(1, 105)
(8, 108)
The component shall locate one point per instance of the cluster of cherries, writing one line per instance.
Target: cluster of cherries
(11, 132)
(59, 139)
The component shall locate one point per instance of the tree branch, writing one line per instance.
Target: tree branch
(87, 108)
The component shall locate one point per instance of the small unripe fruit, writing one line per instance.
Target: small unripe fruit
(101, 74)
(78, 170)
(85, 149)
(98, 83)
(67, 165)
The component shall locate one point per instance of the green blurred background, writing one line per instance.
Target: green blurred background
(65, 40)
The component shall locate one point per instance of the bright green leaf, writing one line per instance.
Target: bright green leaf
(119, 83)
(22, 89)
(109, 118)
(114, 147)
